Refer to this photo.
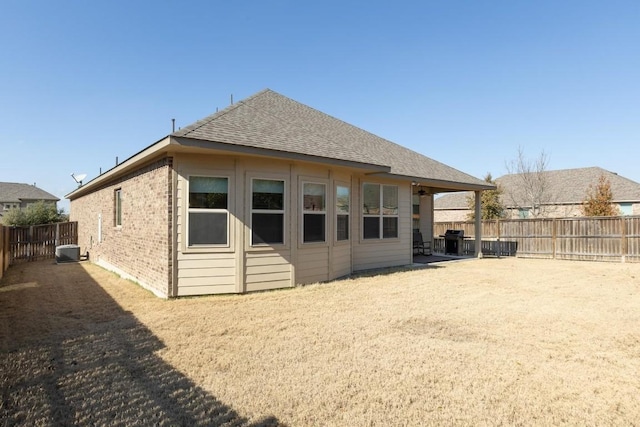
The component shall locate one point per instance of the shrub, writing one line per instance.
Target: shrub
(37, 213)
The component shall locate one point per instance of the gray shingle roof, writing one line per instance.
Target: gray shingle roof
(12, 192)
(567, 186)
(272, 121)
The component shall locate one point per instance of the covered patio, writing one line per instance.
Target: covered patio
(422, 200)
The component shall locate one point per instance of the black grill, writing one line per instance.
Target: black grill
(453, 241)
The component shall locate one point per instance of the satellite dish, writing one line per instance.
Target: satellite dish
(79, 178)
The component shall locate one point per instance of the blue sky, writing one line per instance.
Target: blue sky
(463, 82)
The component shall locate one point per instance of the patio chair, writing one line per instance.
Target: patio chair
(423, 248)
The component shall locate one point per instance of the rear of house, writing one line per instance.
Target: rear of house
(266, 194)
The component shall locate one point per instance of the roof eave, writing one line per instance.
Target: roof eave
(257, 151)
(445, 186)
(140, 157)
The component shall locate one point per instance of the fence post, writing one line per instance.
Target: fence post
(477, 231)
(554, 226)
(2, 250)
(498, 237)
(624, 247)
(30, 244)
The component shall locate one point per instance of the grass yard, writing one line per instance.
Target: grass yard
(481, 342)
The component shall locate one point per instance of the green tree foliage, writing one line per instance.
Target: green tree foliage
(491, 206)
(599, 199)
(35, 214)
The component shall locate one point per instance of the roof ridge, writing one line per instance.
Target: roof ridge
(276, 122)
(208, 119)
(560, 170)
(359, 129)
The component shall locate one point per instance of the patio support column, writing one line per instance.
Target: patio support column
(478, 225)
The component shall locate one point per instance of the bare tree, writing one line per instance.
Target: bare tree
(529, 189)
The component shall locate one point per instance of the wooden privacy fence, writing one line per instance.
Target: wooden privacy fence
(4, 249)
(584, 238)
(37, 241)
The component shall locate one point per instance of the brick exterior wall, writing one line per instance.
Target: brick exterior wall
(140, 249)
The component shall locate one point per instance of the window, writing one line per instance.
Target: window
(267, 211)
(208, 221)
(342, 213)
(380, 211)
(626, 208)
(314, 212)
(118, 207)
(523, 213)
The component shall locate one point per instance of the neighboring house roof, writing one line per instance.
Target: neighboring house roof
(12, 192)
(566, 186)
(271, 124)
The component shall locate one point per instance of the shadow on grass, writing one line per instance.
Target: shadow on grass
(69, 355)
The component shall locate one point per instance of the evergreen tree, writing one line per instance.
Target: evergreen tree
(491, 206)
(599, 199)
(35, 214)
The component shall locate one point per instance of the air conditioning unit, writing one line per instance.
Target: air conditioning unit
(67, 253)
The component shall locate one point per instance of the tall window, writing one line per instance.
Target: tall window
(314, 212)
(342, 213)
(117, 202)
(208, 211)
(267, 211)
(379, 211)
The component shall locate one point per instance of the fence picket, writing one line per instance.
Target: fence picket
(39, 241)
(595, 239)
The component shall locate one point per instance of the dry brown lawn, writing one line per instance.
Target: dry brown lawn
(481, 342)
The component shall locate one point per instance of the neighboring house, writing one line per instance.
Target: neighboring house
(15, 195)
(567, 189)
(267, 193)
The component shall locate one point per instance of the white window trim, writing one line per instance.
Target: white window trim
(306, 212)
(188, 210)
(268, 211)
(381, 215)
(336, 214)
